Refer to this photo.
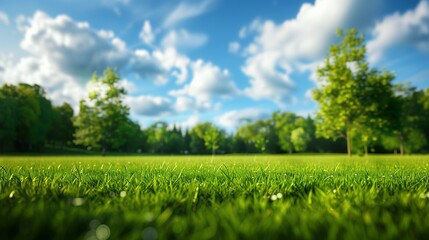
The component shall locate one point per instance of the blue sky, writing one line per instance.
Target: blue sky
(191, 61)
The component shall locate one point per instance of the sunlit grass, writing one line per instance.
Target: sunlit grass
(232, 197)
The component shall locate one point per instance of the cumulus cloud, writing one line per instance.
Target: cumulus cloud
(184, 103)
(4, 18)
(76, 49)
(278, 49)
(410, 28)
(186, 10)
(149, 105)
(146, 34)
(148, 67)
(182, 39)
(73, 47)
(208, 82)
(58, 86)
(235, 118)
(64, 54)
(174, 62)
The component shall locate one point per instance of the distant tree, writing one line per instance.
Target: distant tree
(212, 139)
(62, 129)
(8, 117)
(26, 117)
(99, 123)
(299, 139)
(256, 134)
(133, 135)
(176, 141)
(352, 96)
(157, 137)
(210, 134)
(408, 124)
(293, 131)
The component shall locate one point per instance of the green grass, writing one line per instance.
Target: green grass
(231, 197)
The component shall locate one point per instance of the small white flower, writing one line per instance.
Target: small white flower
(123, 194)
(78, 202)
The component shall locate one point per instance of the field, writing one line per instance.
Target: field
(227, 197)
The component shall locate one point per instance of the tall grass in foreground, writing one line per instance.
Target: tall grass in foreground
(233, 197)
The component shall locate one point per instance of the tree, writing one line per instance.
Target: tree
(100, 122)
(256, 134)
(209, 134)
(62, 127)
(352, 95)
(299, 139)
(26, 117)
(157, 137)
(407, 131)
(8, 117)
(212, 139)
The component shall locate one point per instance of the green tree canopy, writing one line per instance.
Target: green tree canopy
(352, 95)
(100, 121)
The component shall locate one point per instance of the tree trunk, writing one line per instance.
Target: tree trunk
(103, 152)
(366, 150)
(349, 147)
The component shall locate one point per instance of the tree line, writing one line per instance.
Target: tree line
(357, 103)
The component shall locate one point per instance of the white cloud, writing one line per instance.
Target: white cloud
(184, 103)
(182, 39)
(267, 82)
(234, 47)
(410, 28)
(208, 82)
(278, 49)
(73, 47)
(187, 10)
(4, 18)
(65, 53)
(235, 118)
(58, 86)
(189, 123)
(148, 67)
(76, 49)
(173, 62)
(146, 34)
(149, 105)
(129, 86)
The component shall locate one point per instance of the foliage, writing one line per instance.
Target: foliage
(26, 117)
(62, 127)
(256, 134)
(235, 197)
(209, 134)
(407, 131)
(353, 97)
(99, 124)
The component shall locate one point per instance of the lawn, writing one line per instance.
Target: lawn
(225, 197)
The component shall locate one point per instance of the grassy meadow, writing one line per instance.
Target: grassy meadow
(225, 197)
